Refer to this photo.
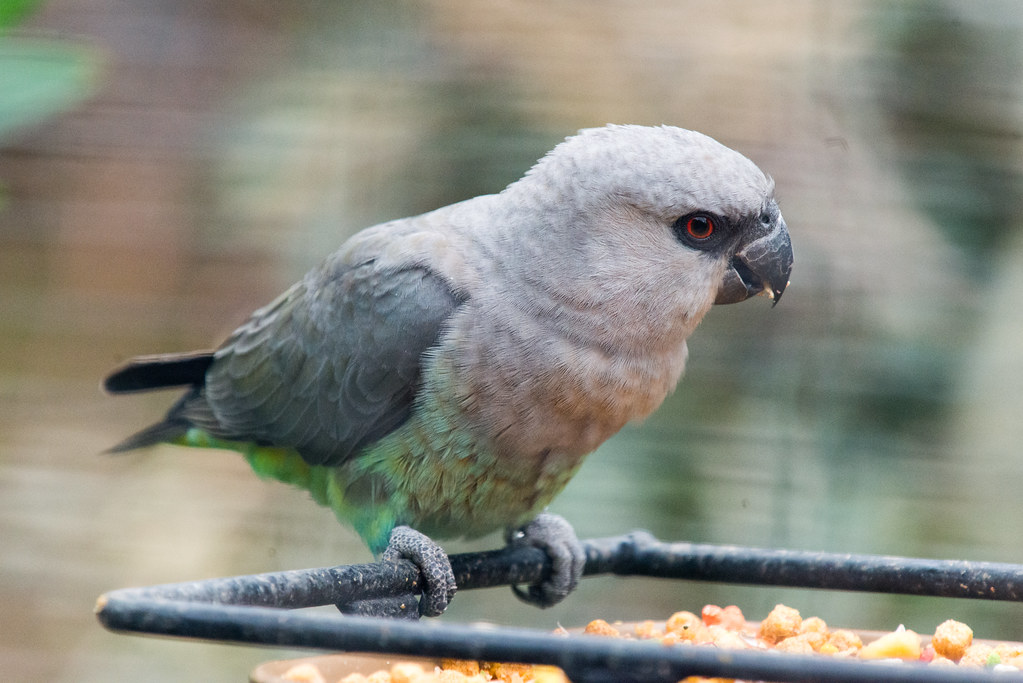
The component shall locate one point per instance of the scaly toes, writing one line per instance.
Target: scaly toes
(555, 536)
(406, 543)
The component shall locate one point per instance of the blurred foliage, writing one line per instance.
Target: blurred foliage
(947, 85)
(953, 79)
(38, 77)
(474, 149)
(11, 11)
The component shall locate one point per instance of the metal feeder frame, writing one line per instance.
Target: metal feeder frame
(261, 609)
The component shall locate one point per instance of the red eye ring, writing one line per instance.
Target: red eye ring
(699, 227)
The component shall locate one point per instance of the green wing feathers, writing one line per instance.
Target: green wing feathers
(326, 485)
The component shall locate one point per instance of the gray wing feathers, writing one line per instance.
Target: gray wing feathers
(330, 366)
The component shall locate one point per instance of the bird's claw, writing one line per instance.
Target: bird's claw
(555, 536)
(406, 543)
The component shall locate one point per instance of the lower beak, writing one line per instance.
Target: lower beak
(762, 263)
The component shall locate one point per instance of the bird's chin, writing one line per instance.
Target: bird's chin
(738, 284)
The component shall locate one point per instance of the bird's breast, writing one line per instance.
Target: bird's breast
(536, 392)
(504, 415)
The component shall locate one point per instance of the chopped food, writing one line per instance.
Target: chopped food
(951, 639)
(599, 627)
(304, 673)
(979, 655)
(783, 622)
(730, 617)
(813, 625)
(407, 672)
(462, 666)
(899, 644)
(783, 630)
(686, 627)
(843, 643)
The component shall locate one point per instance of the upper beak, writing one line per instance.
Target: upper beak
(762, 263)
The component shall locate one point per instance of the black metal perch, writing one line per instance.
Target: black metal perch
(258, 609)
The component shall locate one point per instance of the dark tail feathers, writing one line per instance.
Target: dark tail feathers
(161, 432)
(146, 373)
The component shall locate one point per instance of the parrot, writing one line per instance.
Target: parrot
(444, 375)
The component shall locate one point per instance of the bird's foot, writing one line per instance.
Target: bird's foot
(555, 536)
(434, 567)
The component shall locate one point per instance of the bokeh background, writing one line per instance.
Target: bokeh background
(168, 166)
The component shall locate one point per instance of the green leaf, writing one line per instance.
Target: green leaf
(11, 11)
(39, 78)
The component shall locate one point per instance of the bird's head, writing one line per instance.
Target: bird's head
(762, 260)
(664, 204)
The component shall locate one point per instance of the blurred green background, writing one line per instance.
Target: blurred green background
(166, 167)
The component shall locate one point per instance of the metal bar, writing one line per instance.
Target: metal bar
(248, 609)
(585, 659)
(640, 554)
(636, 554)
(349, 583)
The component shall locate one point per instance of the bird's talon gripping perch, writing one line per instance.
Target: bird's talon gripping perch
(434, 567)
(555, 536)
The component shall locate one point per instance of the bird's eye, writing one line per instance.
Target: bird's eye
(699, 227)
(700, 230)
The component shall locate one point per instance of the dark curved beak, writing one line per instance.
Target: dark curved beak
(762, 263)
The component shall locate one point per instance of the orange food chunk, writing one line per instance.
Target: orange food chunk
(730, 617)
(941, 661)
(976, 655)
(802, 643)
(733, 618)
(844, 640)
(814, 625)
(951, 639)
(599, 627)
(304, 673)
(647, 629)
(711, 615)
(682, 621)
(689, 627)
(469, 667)
(783, 622)
(354, 678)
(406, 672)
(548, 674)
(508, 672)
(727, 639)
